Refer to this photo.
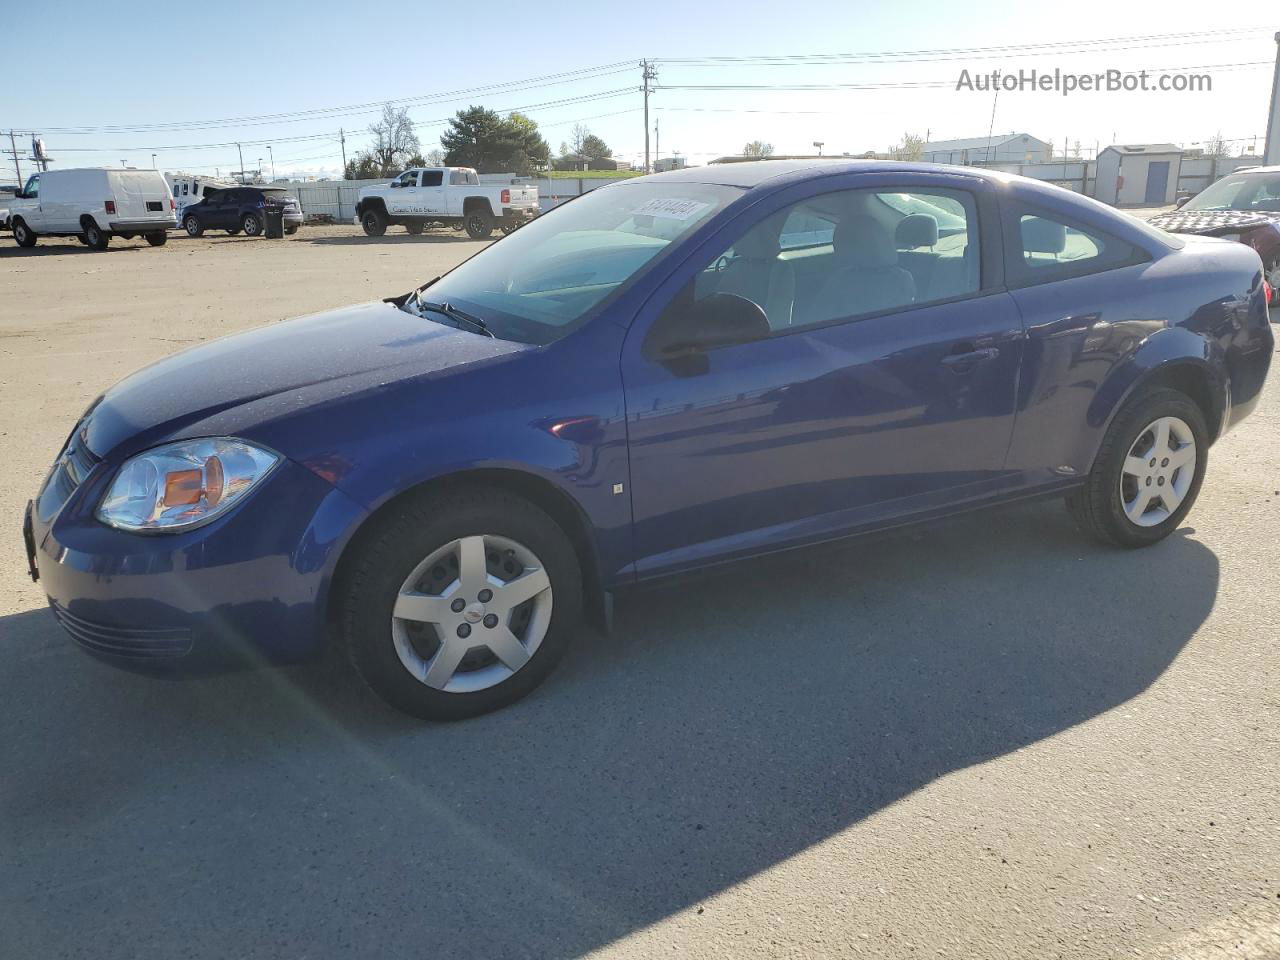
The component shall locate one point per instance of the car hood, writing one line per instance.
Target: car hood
(1211, 222)
(302, 361)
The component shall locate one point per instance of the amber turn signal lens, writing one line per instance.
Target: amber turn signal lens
(214, 480)
(182, 487)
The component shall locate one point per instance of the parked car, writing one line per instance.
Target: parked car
(1242, 206)
(94, 205)
(664, 375)
(241, 210)
(445, 196)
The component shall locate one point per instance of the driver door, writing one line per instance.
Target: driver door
(404, 196)
(882, 385)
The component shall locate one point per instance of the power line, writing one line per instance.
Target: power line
(512, 86)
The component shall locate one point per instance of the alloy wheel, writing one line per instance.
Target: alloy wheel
(1158, 471)
(472, 613)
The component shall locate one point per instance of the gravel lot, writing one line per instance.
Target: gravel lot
(985, 739)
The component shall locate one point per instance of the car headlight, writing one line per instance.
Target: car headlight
(184, 484)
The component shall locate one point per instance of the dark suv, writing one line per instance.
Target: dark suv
(237, 209)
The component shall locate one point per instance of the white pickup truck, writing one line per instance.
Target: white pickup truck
(445, 196)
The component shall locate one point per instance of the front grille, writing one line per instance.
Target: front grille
(139, 643)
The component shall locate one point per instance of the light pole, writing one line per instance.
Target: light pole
(153, 161)
(258, 172)
(272, 154)
(1271, 148)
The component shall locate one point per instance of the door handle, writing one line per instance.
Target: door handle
(967, 360)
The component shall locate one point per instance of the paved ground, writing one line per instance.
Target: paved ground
(989, 739)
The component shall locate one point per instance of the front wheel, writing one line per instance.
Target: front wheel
(461, 604)
(290, 231)
(251, 224)
(157, 239)
(1148, 471)
(23, 235)
(478, 224)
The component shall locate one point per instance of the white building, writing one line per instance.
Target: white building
(1138, 173)
(1002, 148)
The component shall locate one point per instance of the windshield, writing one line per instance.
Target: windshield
(542, 281)
(1259, 191)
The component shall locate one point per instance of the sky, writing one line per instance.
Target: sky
(289, 75)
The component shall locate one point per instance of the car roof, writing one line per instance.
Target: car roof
(753, 173)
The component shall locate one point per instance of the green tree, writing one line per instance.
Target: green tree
(490, 143)
(911, 148)
(758, 148)
(595, 148)
(362, 166)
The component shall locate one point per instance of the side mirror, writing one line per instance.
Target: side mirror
(720, 320)
(1181, 202)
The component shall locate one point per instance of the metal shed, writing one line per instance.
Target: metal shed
(1138, 173)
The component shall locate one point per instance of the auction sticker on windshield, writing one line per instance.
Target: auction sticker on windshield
(673, 209)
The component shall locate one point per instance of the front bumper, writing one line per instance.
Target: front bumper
(252, 583)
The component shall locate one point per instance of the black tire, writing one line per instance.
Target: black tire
(290, 231)
(157, 239)
(193, 226)
(23, 235)
(233, 231)
(251, 224)
(414, 228)
(508, 228)
(95, 237)
(374, 222)
(1097, 508)
(402, 539)
(81, 240)
(479, 223)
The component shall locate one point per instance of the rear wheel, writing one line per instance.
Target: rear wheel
(478, 223)
(1148, 471)
(414, 228)
(23, 235)
(460, 604)
(251, 224)
(157, 239)
(193, 226)
(374, 222)
(95, 236)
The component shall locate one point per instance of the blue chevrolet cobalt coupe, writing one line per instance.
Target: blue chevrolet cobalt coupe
(663, 374)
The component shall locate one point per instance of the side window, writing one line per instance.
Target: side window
(185, 189)
(32, 190)
(432, 178)
(1053, 248)
(409, 178)
(457, 178)
(838, 256)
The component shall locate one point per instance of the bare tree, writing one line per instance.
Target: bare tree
(578, 136)
(394, 139)
(435, 157)
(758, 148)
(1216, 146)
(911, 147)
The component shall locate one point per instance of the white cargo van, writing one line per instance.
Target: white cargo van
(93, 205)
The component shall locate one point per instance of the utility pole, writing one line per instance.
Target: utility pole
(13, 148)
(657, 142)
(647, 73)
(342, 136)
(272, 154)
(1271, 152)
(241, 152)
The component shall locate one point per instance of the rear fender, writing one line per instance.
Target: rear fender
(1173, 357)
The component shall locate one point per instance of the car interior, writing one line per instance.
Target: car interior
(850, 253)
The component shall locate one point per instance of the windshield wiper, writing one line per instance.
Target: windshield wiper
(459, 317)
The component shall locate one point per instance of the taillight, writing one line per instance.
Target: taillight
(506, 196)
(1269, 290)
(172, 205)
(111, 206)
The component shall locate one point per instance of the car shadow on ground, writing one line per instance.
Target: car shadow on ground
(399, 237)
(69, 246)
(726, 725)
